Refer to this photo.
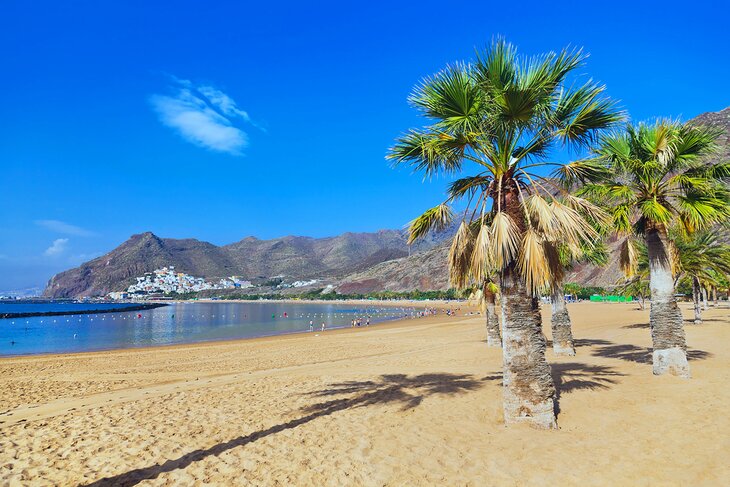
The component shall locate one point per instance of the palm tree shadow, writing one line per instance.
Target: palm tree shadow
(575, 376)
(640, 355)
(408, 391)
(637, 325)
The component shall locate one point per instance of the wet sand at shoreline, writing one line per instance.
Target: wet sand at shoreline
(415, 402)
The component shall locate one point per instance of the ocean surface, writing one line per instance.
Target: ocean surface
(176, 323)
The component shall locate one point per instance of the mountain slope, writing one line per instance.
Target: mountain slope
(297, 257)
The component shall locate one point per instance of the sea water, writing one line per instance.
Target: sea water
(185, 322)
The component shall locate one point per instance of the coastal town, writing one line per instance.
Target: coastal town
(167, 280)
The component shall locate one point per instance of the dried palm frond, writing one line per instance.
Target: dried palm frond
(532, 262)
(628, 257)
(541, 213)
(555, 263)
(460, 256)
(476, 298)
(590, 210)
(674, 258)
(481, 257)
(505, 239)
(569, 226)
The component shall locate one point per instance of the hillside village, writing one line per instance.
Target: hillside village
(167, 281)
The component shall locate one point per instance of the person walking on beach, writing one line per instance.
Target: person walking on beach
(323, 326)
(311, 325)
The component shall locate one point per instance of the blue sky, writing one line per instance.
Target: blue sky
(218, 120)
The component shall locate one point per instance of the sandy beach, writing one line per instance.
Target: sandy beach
(415, 402)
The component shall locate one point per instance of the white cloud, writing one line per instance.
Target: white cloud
(203, 115)
(57, 247)
(65, 228)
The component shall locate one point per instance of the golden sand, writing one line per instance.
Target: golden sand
(416, 402)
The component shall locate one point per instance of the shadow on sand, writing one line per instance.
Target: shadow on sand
(639, 355)
(687, 322)
(575, 376)
(407, 391)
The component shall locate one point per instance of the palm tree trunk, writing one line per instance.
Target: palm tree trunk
(714, 297)
(561, 326)
(494, 338)
(696, 300)
(704, 298)
(528, 387)
(667, 330)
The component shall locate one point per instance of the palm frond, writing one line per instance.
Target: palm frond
(582, 112)
(460, 256)
(451, 97)
(628, 257)
(505, 239)
(532, 262)
(436, 218)
(569, 226)
(481, 258)
(468, 186)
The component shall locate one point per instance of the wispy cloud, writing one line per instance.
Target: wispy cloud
(57, 247)
(64, 228)
(203, 115)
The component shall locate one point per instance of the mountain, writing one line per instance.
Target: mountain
(425, 271)
(296, 257)
(720, 120)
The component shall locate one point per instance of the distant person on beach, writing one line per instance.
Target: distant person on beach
(311, 325)
(323, 326)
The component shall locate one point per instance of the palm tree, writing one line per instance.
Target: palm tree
(653, 175)
(637, 287)
(502, 115)
(562, 329)
(489, 293)
(702, 257)
(485, 296)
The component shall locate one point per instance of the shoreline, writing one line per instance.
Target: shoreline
(233, 341)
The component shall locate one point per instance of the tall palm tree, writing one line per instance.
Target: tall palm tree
(702, 257)
(561, 325)
(637, 287)
(490, 290)
(653, 175)
(502, 115)
(485, 296)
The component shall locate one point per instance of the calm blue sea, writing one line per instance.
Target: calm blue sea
(176, 323)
